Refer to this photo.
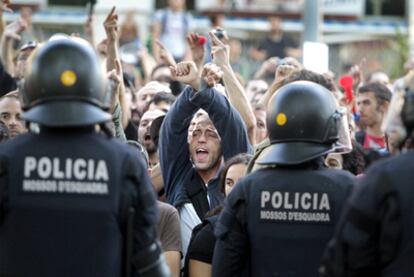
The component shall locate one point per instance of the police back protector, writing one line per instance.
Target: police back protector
(62, 204)
(290, 216)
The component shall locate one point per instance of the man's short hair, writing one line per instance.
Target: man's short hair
(13, 95)
(381, 92)
(158, 66)
(308, 75)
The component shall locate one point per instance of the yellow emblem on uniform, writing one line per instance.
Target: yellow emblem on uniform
(68, 78)
(281, 119)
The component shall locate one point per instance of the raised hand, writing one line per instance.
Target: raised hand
(14, 29)
(111, 25)
(196, 43)
(187, 73)
(268, 67)
(271, 64)
(219, 51)
(211, 74)
(115, 77)
(283, 71)
(356, 72)
(165, 54)
(5, 6)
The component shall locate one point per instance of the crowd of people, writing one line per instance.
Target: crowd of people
(292, 143)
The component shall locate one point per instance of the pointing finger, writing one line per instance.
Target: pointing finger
(110, 14)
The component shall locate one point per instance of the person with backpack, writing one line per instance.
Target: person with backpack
(171, 26)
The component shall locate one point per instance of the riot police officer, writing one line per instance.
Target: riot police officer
(278, 219)
(375, 234)
(70, 196)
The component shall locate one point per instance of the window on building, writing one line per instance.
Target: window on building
(385, 7)
(75, 3)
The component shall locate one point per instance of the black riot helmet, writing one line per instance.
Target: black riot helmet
(304, 123)
(64, 86)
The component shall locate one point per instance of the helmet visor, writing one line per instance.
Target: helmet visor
(344, 144)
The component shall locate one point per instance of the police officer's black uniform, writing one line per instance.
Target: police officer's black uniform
(375, 236)
(277, 220)
(68, 194)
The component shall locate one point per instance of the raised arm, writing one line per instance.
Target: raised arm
(173, 149)
(165, 55)
(111, 30)
(174, 155)
(227, 121)
(173, 146)
(196, 43)
(4, 7)
(115, 79)
(11, 32)
(282, 72)
(89, 29)
(148, 63)
(234, 89)
(225, 118)
(156, 35)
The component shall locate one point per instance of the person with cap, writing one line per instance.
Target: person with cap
(375, 234)
(278, 219)
(73, 200)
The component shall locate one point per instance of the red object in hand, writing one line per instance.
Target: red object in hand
(347, 83)
(201, 40)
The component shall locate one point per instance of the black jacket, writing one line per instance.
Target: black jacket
(277, 221)
(178, 172)
(375, 235)
(64, 201)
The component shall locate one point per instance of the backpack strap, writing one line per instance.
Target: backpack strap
(197, 193)
(185, 24)
(164, 21)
